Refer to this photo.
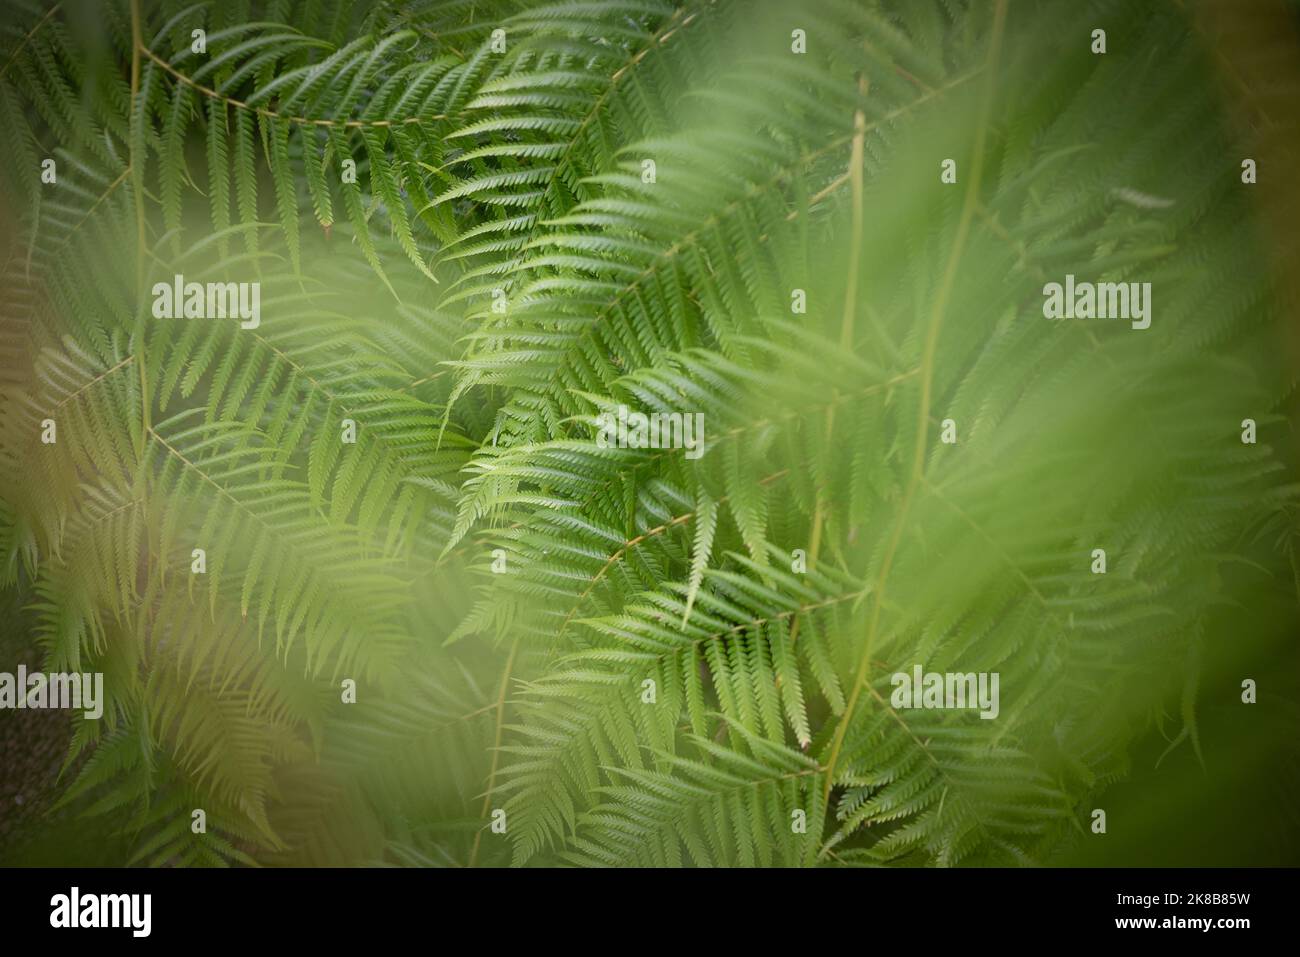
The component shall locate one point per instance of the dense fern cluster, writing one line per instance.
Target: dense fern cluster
(477, 225)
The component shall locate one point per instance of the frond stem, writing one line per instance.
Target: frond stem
(103, 375)
(969, 206)
(496, 745)
(136, 166)
(272, 114)
(13, 58)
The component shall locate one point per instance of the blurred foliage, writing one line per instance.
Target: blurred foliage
(500, 270)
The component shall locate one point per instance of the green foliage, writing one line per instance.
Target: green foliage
(655, 678)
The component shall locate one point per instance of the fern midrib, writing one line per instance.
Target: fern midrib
(751, 192)
(657, 38)
(136, 168)
(969, 205)
(22, 44)
(496, 746)
(273, 115)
